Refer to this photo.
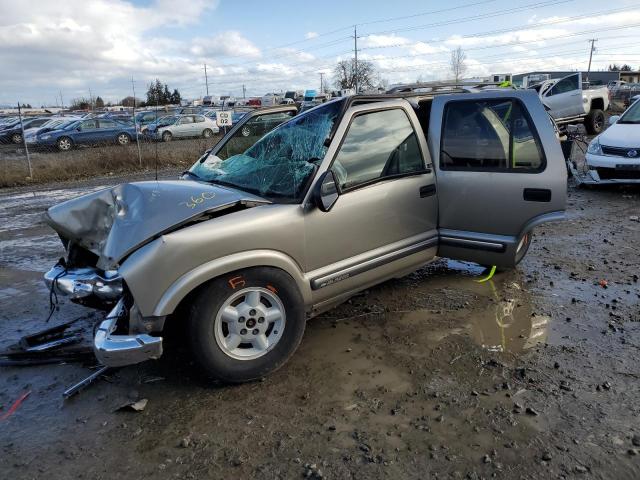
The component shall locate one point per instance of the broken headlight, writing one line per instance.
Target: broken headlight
(594, 147)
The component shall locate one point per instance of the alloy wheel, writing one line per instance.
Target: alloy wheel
(250, 323)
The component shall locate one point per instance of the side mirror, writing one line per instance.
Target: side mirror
(326, 191)
(613, 119)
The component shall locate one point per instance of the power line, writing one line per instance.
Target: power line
(520, 27)
(497, 13)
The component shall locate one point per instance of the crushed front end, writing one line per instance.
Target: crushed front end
(124, 336)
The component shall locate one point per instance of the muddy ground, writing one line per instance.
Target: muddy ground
(534, 374)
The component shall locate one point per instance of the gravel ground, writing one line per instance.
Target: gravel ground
(531, 375)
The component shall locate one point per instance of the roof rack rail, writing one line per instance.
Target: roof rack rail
(427, 87)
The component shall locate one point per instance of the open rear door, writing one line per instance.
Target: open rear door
(500, 172)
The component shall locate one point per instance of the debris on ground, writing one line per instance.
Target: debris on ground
(137, 406)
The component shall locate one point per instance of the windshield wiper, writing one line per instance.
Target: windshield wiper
(194, 175)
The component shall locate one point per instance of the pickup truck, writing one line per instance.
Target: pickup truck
(258, 237)
(567, 101)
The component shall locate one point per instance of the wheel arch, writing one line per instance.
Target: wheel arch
(190, 281)
(597, 104)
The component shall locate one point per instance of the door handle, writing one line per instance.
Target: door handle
(536, 195)
(427, 190)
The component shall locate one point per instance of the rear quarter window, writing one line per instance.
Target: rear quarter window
(490, 135)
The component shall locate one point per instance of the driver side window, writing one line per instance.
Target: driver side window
(568, 84)
(89, 125)
(377, 145)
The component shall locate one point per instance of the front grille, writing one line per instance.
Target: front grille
(618, 174)
(620, 151)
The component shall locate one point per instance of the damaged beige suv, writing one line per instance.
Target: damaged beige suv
(263, 233)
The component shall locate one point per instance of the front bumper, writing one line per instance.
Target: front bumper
(608, 170)
(115, 350)
(81, 283)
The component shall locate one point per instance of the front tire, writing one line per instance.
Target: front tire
(167, 136)
(594, 122)
(207, 133)
(124, 139)
(246, 324)
(246, 131)
(16, 138)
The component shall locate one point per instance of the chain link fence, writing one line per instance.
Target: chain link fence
(41, 145)
(621, 97)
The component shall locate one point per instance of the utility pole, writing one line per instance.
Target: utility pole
(91, 99)
(244, 92)
(321, 84)
(24, 142)
(355, 66)
(206, 79)
(61, 100)
(135, 123)
(591, 50)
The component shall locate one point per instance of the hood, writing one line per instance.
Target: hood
(114, 222)
(621, 135)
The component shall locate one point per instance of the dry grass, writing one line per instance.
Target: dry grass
(103, 160)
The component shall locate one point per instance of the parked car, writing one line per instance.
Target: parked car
(332, 201)
(150, 128)
(144, 118)
(614, 155)
(54, 123)
(567, 101)
(187, 126)
(86, 132)
(12, 132)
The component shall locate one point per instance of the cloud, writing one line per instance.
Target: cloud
(225, 44)
(89, 43)
(381, 41)
(310, 35)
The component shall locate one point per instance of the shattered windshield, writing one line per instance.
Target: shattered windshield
(280, 163)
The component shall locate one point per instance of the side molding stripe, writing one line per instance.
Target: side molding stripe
(337, 276)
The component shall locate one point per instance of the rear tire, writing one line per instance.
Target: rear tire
(247, 324)
(594, 122)
(64, 144)
(16, 138)
(523, 247)
(246, 131)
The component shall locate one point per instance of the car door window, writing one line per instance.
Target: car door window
(494, 135)
(185, 120)
(565, 85)
(89, 125)
(377, 145)
(199, 119)
(107, 124)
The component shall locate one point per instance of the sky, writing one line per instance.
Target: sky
(77, 48)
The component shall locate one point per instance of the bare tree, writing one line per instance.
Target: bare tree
(344, 74)
(457, 63)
